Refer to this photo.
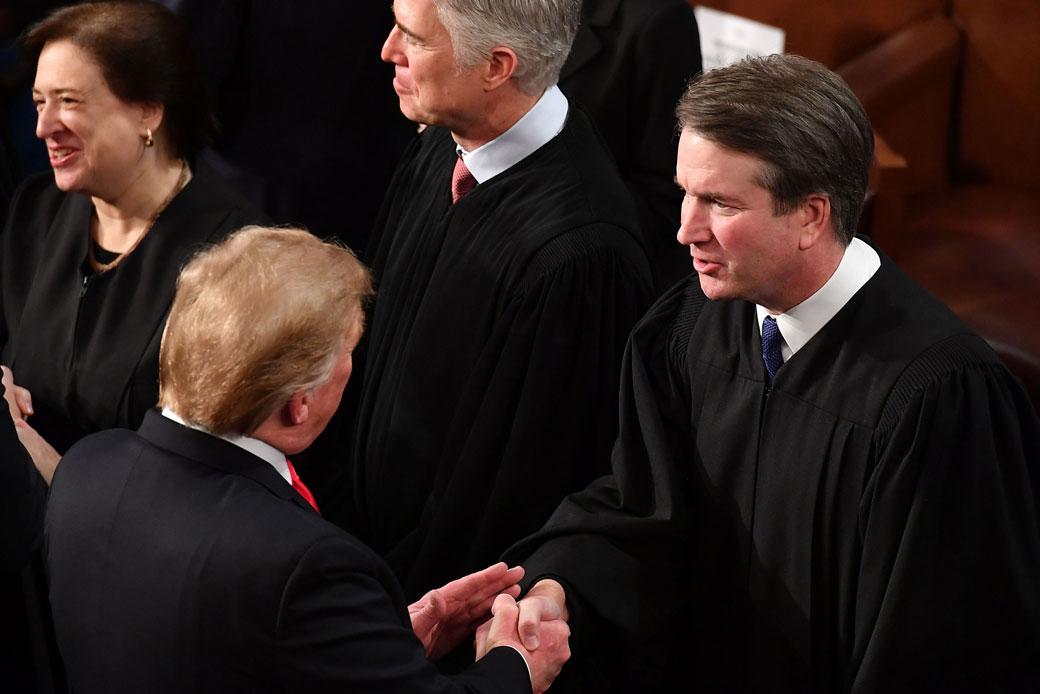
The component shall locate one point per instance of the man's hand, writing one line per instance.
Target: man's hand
(41, 452)
(544, 663)
(545, 602)
(19, 399)
(445, 616)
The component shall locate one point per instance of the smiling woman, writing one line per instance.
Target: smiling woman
(90, 253)
(92, 136)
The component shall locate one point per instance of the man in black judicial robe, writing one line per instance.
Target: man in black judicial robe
(862, 520)
(493, 353)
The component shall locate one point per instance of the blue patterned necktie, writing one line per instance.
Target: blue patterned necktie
(771, 347)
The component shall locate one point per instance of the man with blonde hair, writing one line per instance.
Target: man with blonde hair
(189, 557)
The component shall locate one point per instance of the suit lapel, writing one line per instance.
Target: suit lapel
(217, 453)
(596, 14)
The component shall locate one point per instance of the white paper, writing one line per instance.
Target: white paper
(727, 38)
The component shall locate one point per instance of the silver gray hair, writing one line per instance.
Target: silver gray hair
(540, 32)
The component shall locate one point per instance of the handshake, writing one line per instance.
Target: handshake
(536, 627)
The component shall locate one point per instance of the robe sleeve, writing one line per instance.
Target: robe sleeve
(948, 595)
(621, 547)
(537, 413)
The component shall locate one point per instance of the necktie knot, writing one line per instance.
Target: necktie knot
(771, 347)
(462, 181)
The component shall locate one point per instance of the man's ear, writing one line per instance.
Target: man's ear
(500, 67)
(298, 408)
(815, 220)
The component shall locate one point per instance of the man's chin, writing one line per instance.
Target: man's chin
(716, 289)
(412, 112)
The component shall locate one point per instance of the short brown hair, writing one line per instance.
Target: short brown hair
(145, 56)
(256, 319)
(797, 116)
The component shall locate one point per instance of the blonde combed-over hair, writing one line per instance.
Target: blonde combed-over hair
(256, 319)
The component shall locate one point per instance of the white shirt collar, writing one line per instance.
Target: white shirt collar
(265, 451)
(542, 123)
(799, 324)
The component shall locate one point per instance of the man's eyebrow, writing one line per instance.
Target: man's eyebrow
(407, 32)
(710, 196)
(403, 29)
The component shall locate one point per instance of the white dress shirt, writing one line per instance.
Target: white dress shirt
(798, 324)
(542, 123)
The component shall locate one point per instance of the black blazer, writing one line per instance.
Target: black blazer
(87, 344)
(629, 64)
(181, 563)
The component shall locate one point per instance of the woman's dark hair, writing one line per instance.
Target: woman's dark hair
(145, 55)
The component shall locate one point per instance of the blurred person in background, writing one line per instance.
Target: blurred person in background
(630, 62)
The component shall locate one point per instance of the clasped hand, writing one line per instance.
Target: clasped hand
(442, 618)
(536, 626)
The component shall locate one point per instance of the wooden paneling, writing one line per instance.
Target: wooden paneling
(999, 105)
(831, 31)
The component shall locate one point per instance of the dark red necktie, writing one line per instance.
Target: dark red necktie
(299, 486)
(462, 181)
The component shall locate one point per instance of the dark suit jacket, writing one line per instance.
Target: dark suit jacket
(181, 563)
(630, 62)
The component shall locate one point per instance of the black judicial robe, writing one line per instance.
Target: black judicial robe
(86, 345)
(491, 369)
(868, 524)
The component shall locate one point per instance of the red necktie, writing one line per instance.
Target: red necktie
(462, 181)
(299, 486)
